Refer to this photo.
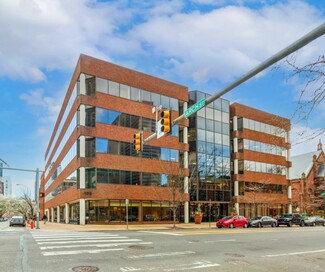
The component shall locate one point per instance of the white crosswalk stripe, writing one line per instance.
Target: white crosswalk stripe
(70, 243)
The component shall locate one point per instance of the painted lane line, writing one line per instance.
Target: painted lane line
(79, 238)
(96, 245)
(74, 252)
(217, 241)
(181, 267)
(160, 254)
(88, 241)
(294, 253)
(160, 232)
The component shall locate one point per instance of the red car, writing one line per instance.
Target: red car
(232, 222)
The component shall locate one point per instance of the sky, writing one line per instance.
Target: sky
(202, 44)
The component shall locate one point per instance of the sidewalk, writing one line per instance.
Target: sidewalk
(49, 226)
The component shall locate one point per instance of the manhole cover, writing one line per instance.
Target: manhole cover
(85, 269)
(139, 247)
(235, 255)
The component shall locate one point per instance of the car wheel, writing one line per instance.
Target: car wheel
(231, 226)
(259, 225)
(314, 224)
(273, 225)
(289, 224)
(245, 226)
(219, 227)
(324, 225)
(303, 224)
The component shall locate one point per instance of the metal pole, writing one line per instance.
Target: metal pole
(309, 37)
(37, 197)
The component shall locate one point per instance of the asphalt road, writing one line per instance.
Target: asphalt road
(267, 249)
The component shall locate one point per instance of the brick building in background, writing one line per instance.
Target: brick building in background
(92, 170)
(307, 177)
(260, 158)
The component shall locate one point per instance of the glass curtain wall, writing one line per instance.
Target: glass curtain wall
(209, 156)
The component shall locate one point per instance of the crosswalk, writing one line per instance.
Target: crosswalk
(71, 243)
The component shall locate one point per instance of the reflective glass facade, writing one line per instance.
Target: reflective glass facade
(209, 154)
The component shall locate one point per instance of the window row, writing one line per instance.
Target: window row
(109, 176)
(210, 195)
(126, 149)
(127, 120)
(260, 147)
(211, 137)
(94, 84)
(259, 126)
(210, 125)
(210, 149)
(261, 188)
(260, 167)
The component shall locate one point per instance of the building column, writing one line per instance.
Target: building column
(52, 215)
(82, 211)
(234, 123)
(82, 84)
(82, 178)
(66, 213)
(186, 203)
(82, 115)
(235, 145)
(58, 214)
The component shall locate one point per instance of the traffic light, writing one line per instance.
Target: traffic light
(166, 121)
(41, 194)
(137, 141)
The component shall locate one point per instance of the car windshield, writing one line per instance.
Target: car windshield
(257, 218)
(285, 216)
(227, 218)
(311, 218)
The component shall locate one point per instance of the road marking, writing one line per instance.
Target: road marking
(160, 232)
(88, 241)
(294, 253)
(217, 241)
(180, 267)
(95, 245)
(74, 238)
(74, 252)
(160, 254)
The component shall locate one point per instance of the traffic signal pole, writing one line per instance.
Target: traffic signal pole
(309, 37)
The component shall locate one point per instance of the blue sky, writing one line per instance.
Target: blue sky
(202, 44)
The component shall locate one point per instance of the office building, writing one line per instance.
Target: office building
(261, 162)
(93, 174)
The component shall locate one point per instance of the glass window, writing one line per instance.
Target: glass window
(225, 128)
(217, 104)
(165, 154)
(113, 147)
(225, 117)
(101, 145)
(101, 115)
(201, 146)
(165, 102)
(135, 94)
(90, 177)
(217, 127)
(209, 136)
(101, 85)
(146, 97)
(113, 118)
(114, 176)
(217, 115)
(113, 88)
(209, 113)
(201, 135)
(225, 105)
(102, 175)
(174, 155)
(125, 91)
(209, 125)
(200, 123)
(218, 138)
(201, 112)
(174, 104)
(155, 99)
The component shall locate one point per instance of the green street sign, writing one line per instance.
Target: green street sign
(322, 194)
(194, 108)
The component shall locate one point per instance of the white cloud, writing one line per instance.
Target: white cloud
(305, 140)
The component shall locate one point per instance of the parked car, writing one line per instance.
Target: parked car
(232, 222)
(290, 219)
(17, 220)
(262, 221)
(314, 221)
